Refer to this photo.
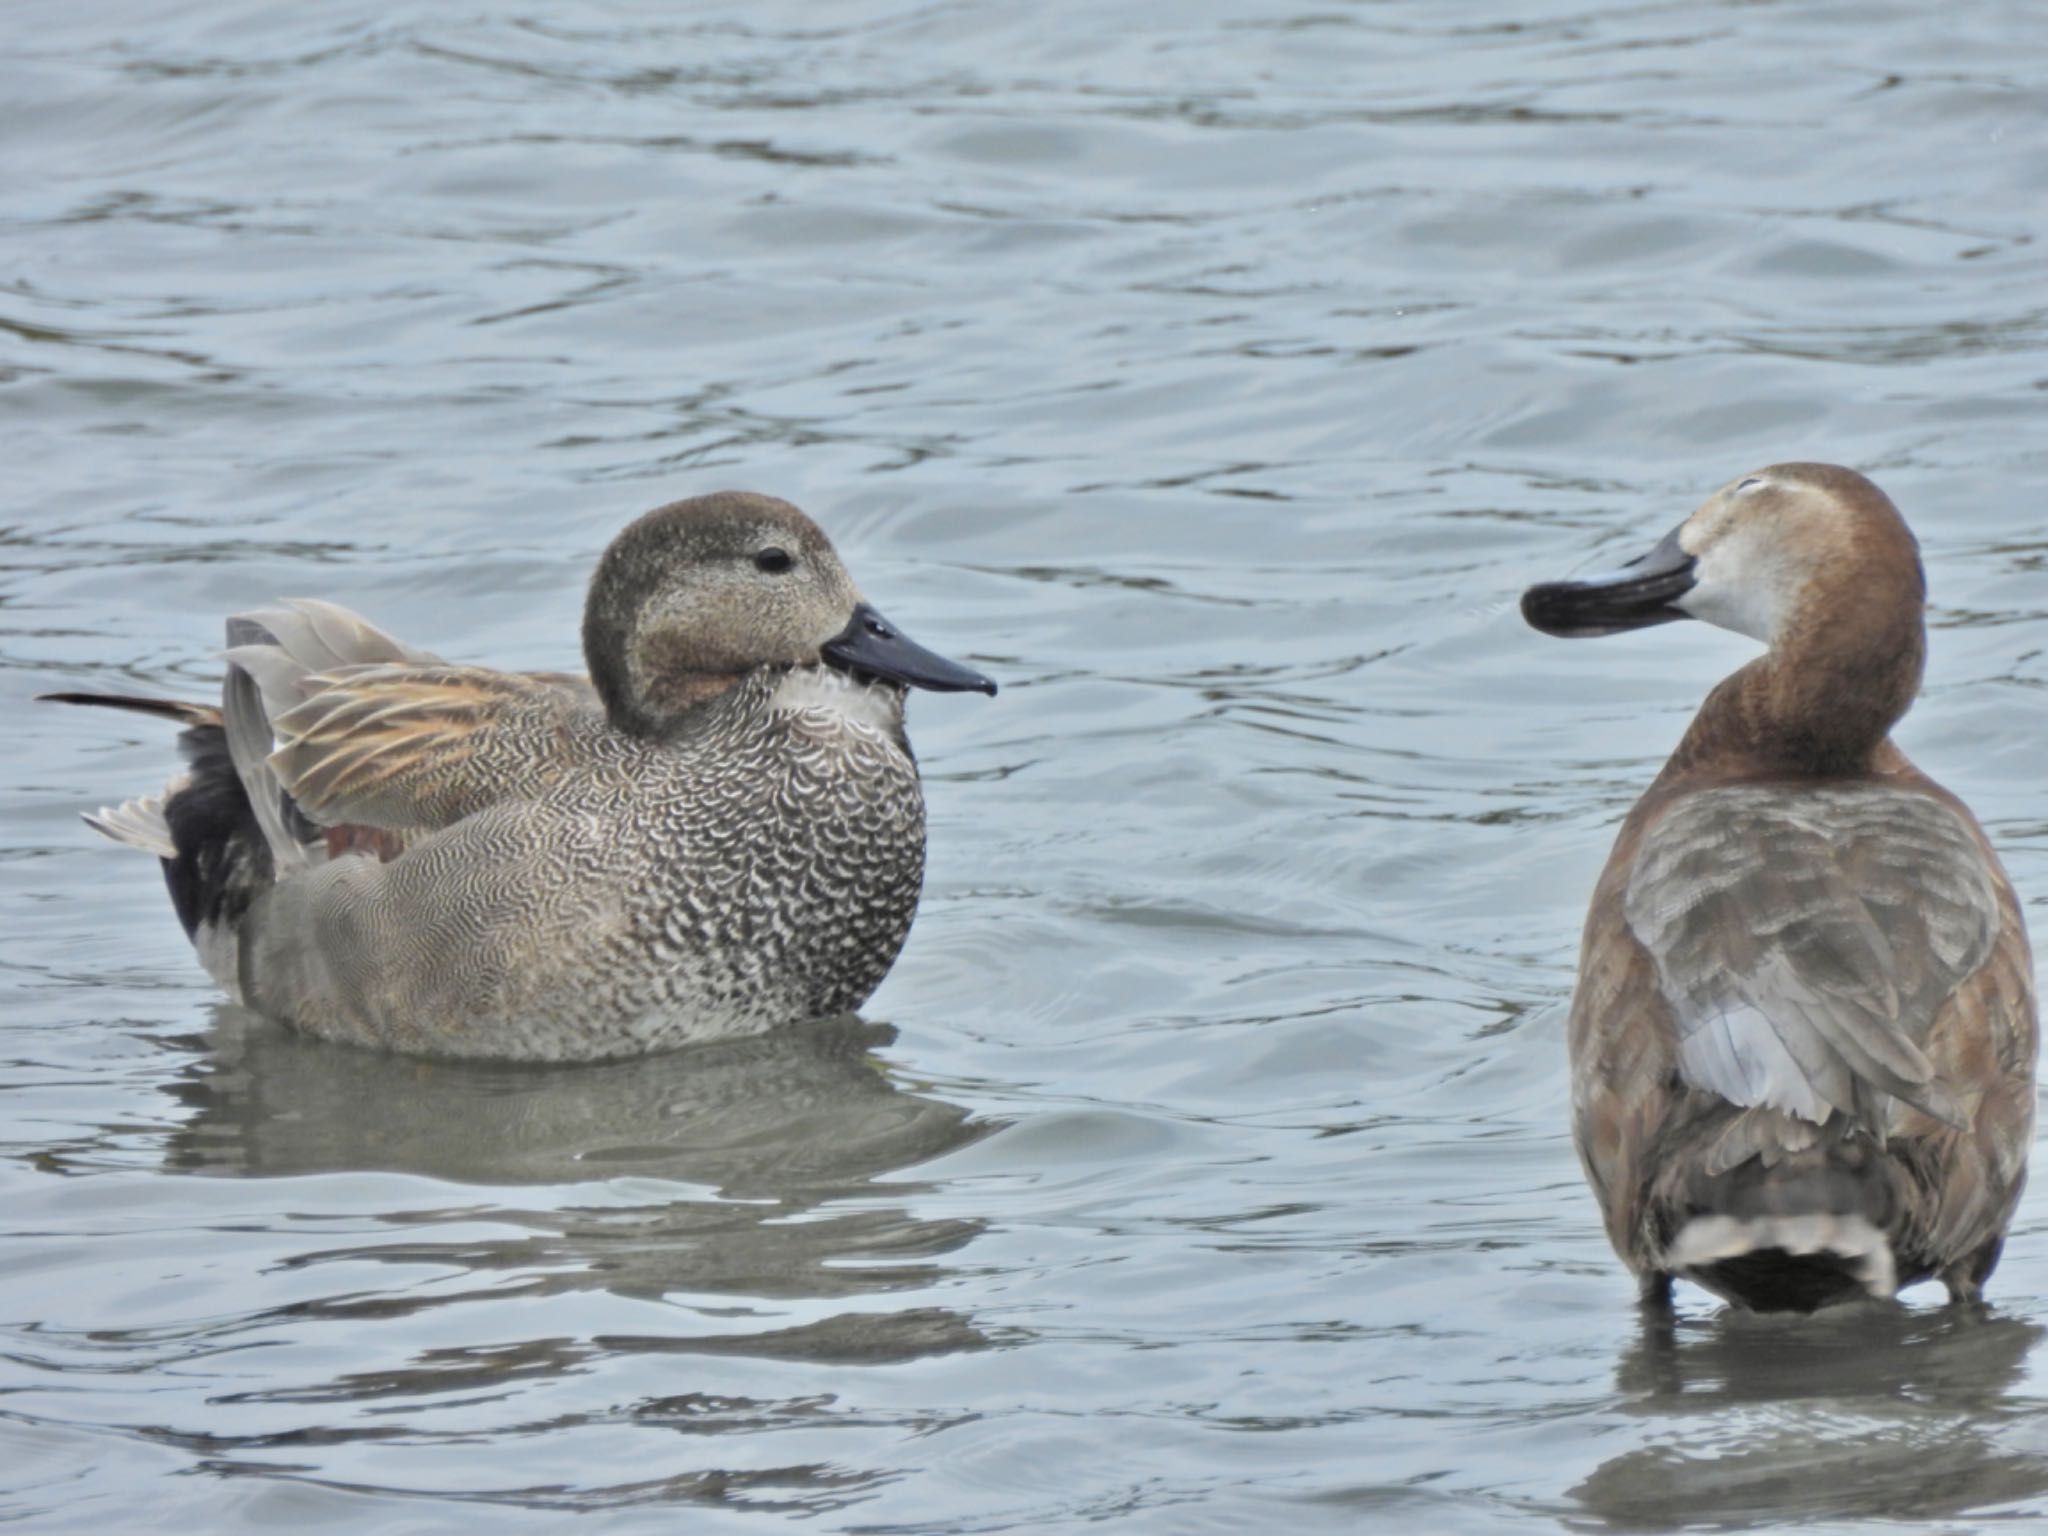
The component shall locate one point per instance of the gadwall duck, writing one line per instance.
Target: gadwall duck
(721, 829)
(1803, 1038)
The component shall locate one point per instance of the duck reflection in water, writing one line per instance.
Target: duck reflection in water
(1920, 1420)
(771, 1127)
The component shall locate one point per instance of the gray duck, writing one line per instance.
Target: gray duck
(719, 830)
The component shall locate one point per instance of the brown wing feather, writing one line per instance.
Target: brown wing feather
(1984, 1040)
(410, 747)
(1624, 1059)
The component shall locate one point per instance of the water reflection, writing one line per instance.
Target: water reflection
(773, 1131)
(1864, 1413)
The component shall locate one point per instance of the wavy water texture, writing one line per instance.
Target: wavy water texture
(1215, 375)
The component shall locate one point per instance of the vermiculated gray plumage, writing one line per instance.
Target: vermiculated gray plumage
(763, 867)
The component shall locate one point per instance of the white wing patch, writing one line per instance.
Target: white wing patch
(1741, 1057)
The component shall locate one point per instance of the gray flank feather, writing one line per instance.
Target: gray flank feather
(247, 723)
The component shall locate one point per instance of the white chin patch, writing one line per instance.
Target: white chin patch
(829, 692)
(1738, 586)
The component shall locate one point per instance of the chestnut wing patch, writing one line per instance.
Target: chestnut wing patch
(419, 747)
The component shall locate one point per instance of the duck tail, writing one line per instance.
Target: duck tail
(140, 823)
(180, 710)
(1780, 1215)
(216, 859)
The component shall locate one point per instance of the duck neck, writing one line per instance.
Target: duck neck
(648, 691)
(1822, 703)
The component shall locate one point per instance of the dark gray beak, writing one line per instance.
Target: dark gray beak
(873, 647)
(1636, 596)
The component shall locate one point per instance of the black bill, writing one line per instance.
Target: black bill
(873, 647)
(1636, 596)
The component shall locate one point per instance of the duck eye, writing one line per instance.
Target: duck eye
(774, 561)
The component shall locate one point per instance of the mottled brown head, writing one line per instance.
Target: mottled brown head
(695, 595)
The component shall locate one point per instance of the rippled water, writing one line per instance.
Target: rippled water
(1215, 374)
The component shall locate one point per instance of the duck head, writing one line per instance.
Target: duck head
(694, 596)
(1789, 547)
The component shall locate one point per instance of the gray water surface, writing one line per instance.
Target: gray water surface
(1215, 375)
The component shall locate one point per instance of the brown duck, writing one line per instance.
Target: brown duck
(1803, 1038)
